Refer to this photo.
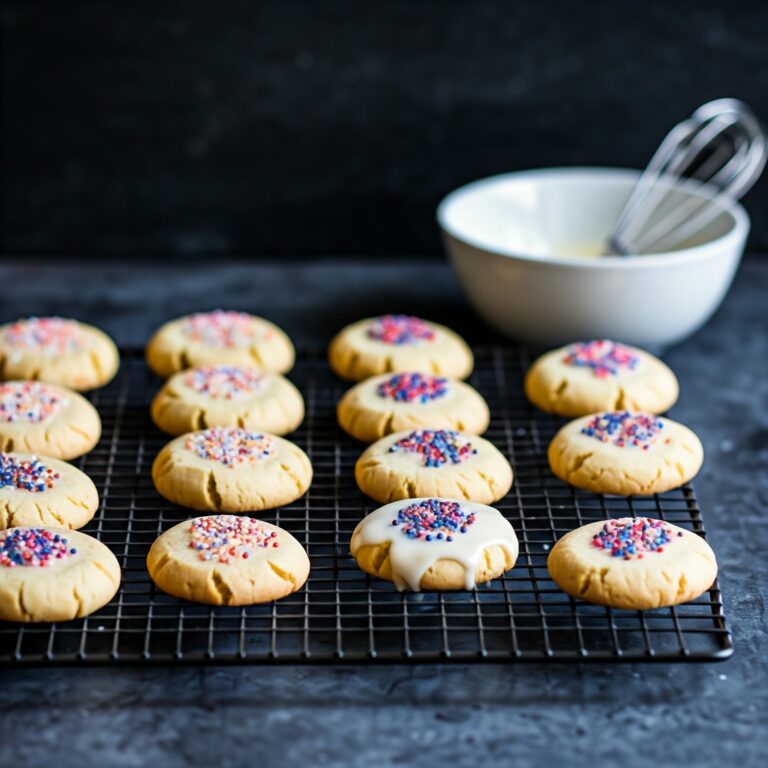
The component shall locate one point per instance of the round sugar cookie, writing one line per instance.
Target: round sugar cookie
(391, 403)
(219, 338)
(603, 375)
(625, 453)
(227, 396)
(59, 351)
(433, 462)
(38, 490)
(433, 543)
(47, 419)
(635, 563)
(227, 560)
(230, 469)
(393, 343)
(54, 574)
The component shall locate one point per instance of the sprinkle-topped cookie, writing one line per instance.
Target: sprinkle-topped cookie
(436, 446)
(230, 445)
(400, 330)
(605, 358)
(29, 401)
(625, 429)
(26, 475)
(413, 387)
(35, 547)
(50, 335)
(225, 382)
(634, 537)
(433, 519)
(222, 328)
(225, 538)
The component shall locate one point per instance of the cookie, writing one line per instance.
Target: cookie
(593, 376)
(219, 338)
(395, 402)
(58, 351)
(227, 560)
(46, 419)
(393, 343)
(228, 396)
(635, 563)
(433, 462)
(230, 469)
(625, 453)
(434, 543)
(53, 574)
(38, 490)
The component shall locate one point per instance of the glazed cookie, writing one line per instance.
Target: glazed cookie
(227, 396)
(394, 402)
(602, 375)
(219, 338)
(433, 462)
(58, 351)
(636, 563)
(53, 574)
(393, 343)
(231, 469)
(434, 543)
(625, 453)
(44, 418)
(227, 560)
(39, 490)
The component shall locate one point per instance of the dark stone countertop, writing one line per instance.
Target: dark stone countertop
(671, 714)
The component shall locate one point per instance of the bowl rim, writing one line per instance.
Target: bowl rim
(738, 231)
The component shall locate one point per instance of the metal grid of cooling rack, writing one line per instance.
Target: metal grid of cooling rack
(342, 614)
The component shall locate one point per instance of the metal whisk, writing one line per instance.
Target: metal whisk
(721, 145)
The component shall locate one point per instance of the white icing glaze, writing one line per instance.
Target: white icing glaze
(412, 558)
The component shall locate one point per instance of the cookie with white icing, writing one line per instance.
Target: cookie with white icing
(59, 351)
(227, 560)
(39, 490)
(227, 396)
(602, 375)
(391, 403)
(219, 338)
(53, 574)
(635, 563)
(625, 453)
(230, 469)
(47, 419)
(392, 343)
(435, 544)
(433, 462)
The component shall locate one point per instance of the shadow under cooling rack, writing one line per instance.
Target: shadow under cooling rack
(342, 614)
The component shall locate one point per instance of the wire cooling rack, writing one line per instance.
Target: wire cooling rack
(342, 614)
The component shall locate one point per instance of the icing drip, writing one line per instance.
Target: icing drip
(412, 556)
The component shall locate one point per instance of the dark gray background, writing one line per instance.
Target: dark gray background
(333, 127)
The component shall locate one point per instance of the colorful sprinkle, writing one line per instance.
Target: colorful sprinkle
(225, 382)
(624, 429)
(230, 445)
(29, 401)
(400, 329)
(27, 474)
(433, 520)
(222, 328)
(51, 335)
(228, 537)
(35, 547)
(436, 446)
(633, 537)
(605, 358)
(410, 387)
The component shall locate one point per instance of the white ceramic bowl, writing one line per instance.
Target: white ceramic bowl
(510, 237)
